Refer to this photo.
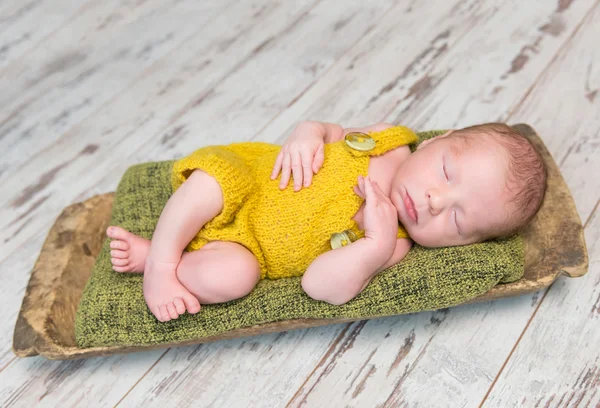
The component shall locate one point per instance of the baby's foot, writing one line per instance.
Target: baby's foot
(128, 251)
(166, 297)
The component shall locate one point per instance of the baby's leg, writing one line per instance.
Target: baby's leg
(196, 202)
(218, 272)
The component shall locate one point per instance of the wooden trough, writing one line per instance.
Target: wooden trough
(554, 246)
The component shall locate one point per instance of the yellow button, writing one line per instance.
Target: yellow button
(360, 141)
(341, 239)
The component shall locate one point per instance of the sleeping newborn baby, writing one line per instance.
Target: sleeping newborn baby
(335, 206)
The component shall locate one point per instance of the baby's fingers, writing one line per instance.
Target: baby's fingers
(358, 192)
(378, 190)
(360, 187)
(297, 170)
(319, 158)
(277, 166)
(361, 183)
(286, 169)
(307, 173)
(370, 193)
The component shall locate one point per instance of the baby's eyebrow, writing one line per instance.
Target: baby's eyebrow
(456, 150)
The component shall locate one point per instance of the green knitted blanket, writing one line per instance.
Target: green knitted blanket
(113, 312)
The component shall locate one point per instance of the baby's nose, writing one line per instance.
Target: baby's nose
(436, 201)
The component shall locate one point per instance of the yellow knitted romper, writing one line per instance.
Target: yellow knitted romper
(284, 229)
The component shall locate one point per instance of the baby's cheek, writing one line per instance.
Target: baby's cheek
(432, 234)
(419, 235)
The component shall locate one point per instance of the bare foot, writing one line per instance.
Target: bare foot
(128, 251)
(166, 297)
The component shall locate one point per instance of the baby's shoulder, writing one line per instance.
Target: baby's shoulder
(393, 158)
(382, 168)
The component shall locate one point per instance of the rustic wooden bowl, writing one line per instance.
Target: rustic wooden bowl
(554, 245)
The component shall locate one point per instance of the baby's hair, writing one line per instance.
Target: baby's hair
(527, 172)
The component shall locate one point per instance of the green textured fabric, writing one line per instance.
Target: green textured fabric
(112, 310)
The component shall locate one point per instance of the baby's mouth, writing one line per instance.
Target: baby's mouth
(410, 207)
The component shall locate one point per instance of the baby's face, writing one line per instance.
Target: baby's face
(452, 192)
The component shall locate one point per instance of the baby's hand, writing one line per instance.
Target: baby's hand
(301, 155)
(380, 217)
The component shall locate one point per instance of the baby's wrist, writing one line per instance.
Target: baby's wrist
(379, 251)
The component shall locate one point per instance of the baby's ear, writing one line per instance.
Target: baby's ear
(426, 142)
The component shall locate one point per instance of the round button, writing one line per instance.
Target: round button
(341, 239)
(360, 141)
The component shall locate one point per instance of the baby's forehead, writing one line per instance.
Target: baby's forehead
(459, 144)
(480, 143)
(482, 162)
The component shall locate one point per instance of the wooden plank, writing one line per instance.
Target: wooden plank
(84, 65)
(98, 382)
(102, 33)
(253, 372)
(24, 24)
(14, 274)
(557, 361)
(449, 84)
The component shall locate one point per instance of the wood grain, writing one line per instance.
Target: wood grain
(86, 382)
(20, 28)
(82, 67)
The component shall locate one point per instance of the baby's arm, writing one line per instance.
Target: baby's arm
(339, 275)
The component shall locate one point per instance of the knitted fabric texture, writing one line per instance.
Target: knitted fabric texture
(284, 229)
(112, 310)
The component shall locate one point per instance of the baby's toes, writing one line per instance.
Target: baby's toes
(172, 311)
(119, 262)
(156, 312)
(115, 253)
(164, 314)
(179, 306)
(119, 233)
(191, 304)
(117, 244)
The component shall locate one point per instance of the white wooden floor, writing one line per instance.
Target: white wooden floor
(88, 88)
